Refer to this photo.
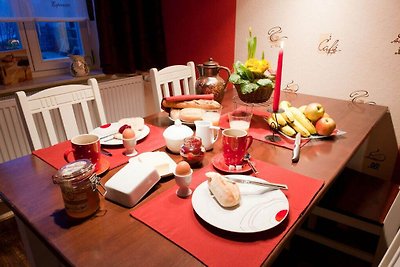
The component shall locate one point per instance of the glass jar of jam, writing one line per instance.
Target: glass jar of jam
(192, 150)
(78, 183)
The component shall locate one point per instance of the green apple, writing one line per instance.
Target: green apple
(314, 111)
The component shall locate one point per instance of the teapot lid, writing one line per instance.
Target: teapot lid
(211, 63)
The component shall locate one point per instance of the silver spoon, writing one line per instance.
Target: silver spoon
(247, 159)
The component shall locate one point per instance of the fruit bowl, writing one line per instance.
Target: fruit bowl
(336, 132)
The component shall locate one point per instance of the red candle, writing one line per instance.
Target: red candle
(277, 90)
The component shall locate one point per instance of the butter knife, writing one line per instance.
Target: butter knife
(296, 148)
(108, 136)
(266, 184)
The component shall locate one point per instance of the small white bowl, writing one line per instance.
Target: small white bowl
(175, 134)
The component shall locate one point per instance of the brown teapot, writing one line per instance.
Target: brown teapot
(209, 82)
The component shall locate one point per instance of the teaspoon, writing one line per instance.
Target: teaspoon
(247, 159)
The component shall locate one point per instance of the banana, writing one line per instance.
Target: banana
(284, 105)
(298, 127)
(288, 116)
(301, 118)
(279, 118)
(302, 108)
(289, 131)
(272, 123)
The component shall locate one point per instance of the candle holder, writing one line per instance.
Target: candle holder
(274, 137)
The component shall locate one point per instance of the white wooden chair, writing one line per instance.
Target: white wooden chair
(60, 113)
(171, 81)
(392, 255)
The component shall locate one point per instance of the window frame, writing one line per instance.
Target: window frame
(30, 42)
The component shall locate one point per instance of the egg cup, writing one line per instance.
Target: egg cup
(130, 145)
(183, 181)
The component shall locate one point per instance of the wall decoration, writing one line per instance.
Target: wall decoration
(397, 40)
(274, 36)
(291, 87)
(327, 45)
(14, 67)
(358, 95)
(333, 47)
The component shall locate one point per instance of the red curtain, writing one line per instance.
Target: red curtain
(131, 35)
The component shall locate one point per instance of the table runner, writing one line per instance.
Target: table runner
(174, 218)
(259, 129)
(54, 155)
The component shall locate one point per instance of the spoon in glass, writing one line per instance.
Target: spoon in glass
(247, 159)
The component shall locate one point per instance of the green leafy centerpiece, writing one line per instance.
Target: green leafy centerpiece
(253, 80)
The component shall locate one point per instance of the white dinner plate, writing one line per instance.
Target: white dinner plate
(259, 208)
(113, 128)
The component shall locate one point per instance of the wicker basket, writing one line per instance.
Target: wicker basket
(262, 94)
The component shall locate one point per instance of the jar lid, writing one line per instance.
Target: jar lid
(74, 171)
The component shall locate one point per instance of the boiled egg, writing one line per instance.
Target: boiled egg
(128, 133)
(183, 168)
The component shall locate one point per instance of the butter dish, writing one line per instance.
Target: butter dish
(131, 183)
(163, 163)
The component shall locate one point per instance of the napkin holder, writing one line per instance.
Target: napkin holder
(131, 183)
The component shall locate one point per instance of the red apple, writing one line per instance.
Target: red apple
(314, 111)
(325, 126)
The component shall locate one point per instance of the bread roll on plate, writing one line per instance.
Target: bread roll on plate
(191, 114)
(225, 192)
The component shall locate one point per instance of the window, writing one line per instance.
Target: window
(9, 36)
(49, 30)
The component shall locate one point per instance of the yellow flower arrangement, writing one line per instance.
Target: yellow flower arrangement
(253, 74)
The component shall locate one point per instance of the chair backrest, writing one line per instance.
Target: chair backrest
(60, 113)
(171, 81)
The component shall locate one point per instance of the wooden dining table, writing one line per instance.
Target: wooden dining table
(118, 239)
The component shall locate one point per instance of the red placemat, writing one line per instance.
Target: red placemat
(54, 155)
(174, 218)
(259, 129)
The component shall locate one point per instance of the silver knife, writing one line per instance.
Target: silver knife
(266, 184)
(108, 136)
(296, 148)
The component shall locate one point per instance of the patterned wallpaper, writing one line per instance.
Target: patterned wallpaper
(346, 49)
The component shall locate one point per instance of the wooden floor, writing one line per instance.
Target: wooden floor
(11, 248)
(301, 253)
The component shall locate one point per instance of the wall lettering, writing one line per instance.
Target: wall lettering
(274, 35)
(396, 40)
(329, 46)
(291, 87)
(358, 95)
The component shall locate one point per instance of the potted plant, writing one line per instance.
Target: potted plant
(253, 80)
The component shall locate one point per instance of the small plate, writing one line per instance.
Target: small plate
(156, 158)
(183, 122)
(113, 128)
(219, 163)
(104, 165)
(258, 210)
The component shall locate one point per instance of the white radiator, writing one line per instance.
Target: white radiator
(13, 141)
(122, 97)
